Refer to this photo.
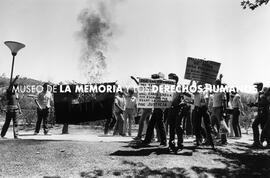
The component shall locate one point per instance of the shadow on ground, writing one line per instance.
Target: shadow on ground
(149, 151)
(240, 161)
(139, 170)
(239, 158)
(30, 141)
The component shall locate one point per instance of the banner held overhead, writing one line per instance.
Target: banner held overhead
(201, 70)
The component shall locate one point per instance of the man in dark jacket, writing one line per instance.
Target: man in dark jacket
(156, 118)
(263, 108)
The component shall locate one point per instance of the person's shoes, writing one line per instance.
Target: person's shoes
(46, 133)
(144, 144)
(123, 135)
(206, 143)
(137, 138)
(68, 133)
(3, 137)
(176, 149)
(163, 144)
(172, 145)
(262, 139)
(212, 145)
(224, 142)
(221, 143)
(198, 142)
(257, 145)
(214, 148)
(180, 146)
(16, 137)
(218, 136)
(35, 133)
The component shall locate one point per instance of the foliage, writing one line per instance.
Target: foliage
(253, 5)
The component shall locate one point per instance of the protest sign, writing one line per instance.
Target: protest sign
(155, 93)
(201, 70)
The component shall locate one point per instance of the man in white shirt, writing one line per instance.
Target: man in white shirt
(219, 103)
(130, 111)
(119, 108)
(43, 101)
(200, 114)
(237, 109)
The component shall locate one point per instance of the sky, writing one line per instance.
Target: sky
(149, 36)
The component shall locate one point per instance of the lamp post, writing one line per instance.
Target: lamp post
(14, 47)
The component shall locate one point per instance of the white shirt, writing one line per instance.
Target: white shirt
(218, 99)
(44, 99)
(131, 102)
(120, 101)
(236, 102)
(199, 99)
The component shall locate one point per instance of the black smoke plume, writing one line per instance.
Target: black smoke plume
(96, 32)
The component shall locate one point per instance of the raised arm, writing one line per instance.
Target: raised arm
(135, 80)
(13, 82)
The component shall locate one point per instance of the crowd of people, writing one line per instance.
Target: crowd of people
(211, 117)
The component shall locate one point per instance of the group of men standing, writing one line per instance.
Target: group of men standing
(209, 115)
(43, 101)
(174, 116)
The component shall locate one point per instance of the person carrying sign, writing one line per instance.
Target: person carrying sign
(156, 118)
(146, 113)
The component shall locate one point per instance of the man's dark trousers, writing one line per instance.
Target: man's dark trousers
(42, 115)
(259, 120)
(175, 122)
(10, 115)
(202, 113)
(157, 118)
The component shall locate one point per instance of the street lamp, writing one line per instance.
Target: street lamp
(14, 47)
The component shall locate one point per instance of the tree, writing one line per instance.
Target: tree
(253, 5)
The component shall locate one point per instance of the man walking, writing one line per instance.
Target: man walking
(261, 118)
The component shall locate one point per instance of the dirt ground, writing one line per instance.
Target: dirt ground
(86, 152)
